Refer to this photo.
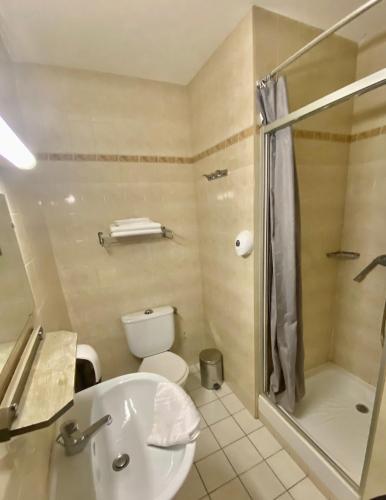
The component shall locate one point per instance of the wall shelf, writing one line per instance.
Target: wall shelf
(343, 255)
(42, 388)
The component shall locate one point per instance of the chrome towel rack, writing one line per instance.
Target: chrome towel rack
(105, 240)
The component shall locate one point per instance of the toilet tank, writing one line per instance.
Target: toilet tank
(150, 331)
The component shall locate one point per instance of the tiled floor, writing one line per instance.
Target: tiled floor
(237, 458)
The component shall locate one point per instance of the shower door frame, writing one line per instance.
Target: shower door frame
(356, 88)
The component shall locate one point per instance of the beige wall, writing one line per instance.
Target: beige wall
(324, 69)
(96, 114)
(360, 305)
(222, 104)
(322, 171)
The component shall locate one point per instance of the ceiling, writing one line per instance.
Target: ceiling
(325, 13)
(166, 40)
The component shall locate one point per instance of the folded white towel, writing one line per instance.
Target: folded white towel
(133, 226)
(176, 419)
(134, 232)
(121, 222)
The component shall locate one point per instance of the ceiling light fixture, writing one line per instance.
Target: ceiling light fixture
(13, 149)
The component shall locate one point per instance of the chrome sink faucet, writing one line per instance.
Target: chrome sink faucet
(73, 440)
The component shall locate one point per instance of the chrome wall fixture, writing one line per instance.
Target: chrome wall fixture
(378, 261)
(10, 412)
(343, 255)
(106, 240)
(217, 174)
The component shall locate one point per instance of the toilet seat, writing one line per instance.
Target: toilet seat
(167, 364)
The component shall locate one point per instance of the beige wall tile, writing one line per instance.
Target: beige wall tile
(359, 305)
(226, 79)
(222, 103)
(96, 113)
(85, 112)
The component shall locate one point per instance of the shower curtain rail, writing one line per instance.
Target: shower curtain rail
(325, 34)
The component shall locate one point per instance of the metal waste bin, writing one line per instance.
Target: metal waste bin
(211, 368)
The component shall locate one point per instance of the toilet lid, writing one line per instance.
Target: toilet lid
(167, 364)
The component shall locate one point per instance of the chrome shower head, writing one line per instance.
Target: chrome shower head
(380, 260)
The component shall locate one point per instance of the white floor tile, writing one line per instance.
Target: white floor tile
(192, 382)
(227, 431)
(264, 441)
(194, 368)
(261, 483)
(206, 444)
(232, 403)
(202, 396)
(215, 470)
(286, 469)
(193, 488)
(242, 455)
(213, 412)
(203, 424)
(224, 390)
(247, 422)
(234, 490)
(284, 496)
(306, 490)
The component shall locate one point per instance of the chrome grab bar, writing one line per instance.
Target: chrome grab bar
(9, 413)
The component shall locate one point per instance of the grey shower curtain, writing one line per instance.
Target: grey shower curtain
(286, 383)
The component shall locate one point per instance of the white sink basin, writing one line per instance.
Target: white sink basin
(152, 473)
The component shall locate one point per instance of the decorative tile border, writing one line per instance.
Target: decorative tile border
(374, 132)
(321, 136)
(112, 158)
(240, 136)
(336, 137)
(234, 139)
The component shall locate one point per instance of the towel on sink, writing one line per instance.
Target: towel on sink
(176, 419)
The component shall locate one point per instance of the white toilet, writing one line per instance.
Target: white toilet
(150, 333)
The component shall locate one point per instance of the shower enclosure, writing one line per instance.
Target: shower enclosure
(340, 151)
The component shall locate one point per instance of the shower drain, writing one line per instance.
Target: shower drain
(362, 408)
(121, 461)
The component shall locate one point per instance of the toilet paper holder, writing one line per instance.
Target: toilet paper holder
(244, 243)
